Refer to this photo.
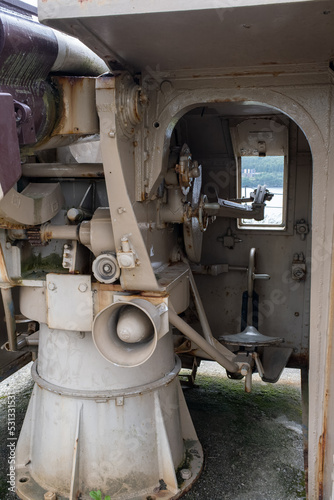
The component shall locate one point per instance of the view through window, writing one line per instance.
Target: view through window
(269, 171)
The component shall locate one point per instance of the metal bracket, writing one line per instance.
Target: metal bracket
(298, 268)
(302, 228)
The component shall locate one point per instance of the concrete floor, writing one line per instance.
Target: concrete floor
(253, 443)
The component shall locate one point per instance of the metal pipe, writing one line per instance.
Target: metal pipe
(211, 351)
(216, 269)
(75, 58)
(8, 306)
(54, 232)
(63, 170)
(25, 341)
(258, 363)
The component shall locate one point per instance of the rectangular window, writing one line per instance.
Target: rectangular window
(269, 171)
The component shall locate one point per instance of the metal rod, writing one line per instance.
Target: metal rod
(63, 170)
(248, 381)
(216, 269)
(261, 276)
(211, 351)
(8, 306)
(203, 318)
(200, 310)
(258, 364)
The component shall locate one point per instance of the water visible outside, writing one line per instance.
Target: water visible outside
(273, 213)
(266, 171)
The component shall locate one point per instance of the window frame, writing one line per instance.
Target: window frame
(257, 226)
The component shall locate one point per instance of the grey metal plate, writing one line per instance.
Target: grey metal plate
(274, 361)
(150, 36)
(10, 362)
(69, 302)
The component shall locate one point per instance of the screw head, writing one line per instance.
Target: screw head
(52, 286)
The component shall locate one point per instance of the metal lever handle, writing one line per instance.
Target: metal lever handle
(261, 276)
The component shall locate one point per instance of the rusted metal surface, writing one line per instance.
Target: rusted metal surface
(4, 224)
(325, 445)
(321, 463)
(23, 72)
(305, 414)
(299, 359)
(5, 279)
(77, 110)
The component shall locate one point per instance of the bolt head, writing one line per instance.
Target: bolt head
(298, 273)
(107, 268)
(49, 495)
(51, 286)
(125, 260)
(185, 473)
(244, 370)
(83, 287)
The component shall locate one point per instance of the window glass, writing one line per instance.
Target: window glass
(269, 171)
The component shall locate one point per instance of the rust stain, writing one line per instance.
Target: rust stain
(3, 269)
(91, 175)
(328, 372)
(4, 224)
(247, 73)
(154, 294)
(321, 461)
(47, 235)
(107, 288)
(299, 360)
(305, 453)
(71, 89)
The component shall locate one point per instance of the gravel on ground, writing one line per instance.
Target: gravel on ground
(253, 443)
